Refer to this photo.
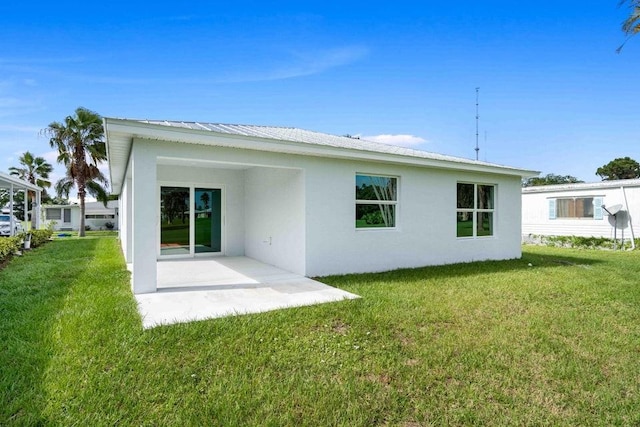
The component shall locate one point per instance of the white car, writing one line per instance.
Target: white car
(5, 225)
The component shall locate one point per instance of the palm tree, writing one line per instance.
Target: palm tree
(35, 170)
(631, 25)
(81, 148)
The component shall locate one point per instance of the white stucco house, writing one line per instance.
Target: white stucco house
(306, 202)
(577, 209)
(67, 217)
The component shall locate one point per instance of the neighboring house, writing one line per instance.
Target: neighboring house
(97, 215)
(62, 217)
(310, 203)
(576, 209)
(67, 217)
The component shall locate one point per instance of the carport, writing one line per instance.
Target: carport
(11, 185)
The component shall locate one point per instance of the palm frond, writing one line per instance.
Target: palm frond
(64, 186)
(631, 25)
(98, 191)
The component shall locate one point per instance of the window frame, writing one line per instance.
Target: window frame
(99, 216)
(49, 211)
(596, 202)
(475, 211)
(395, 203)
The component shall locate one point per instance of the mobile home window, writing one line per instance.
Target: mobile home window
(475, 209)
(376, 201)
(576, 207)
(54, 214)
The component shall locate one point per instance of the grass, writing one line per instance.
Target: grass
(494, 343)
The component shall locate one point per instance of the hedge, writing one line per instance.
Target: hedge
(39, 237)
(9, 246)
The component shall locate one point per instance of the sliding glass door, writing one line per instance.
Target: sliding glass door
(174, 221)
(186, 227)
(208, 220)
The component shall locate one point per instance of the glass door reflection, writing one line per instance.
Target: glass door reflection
(208, 220)
(174, 221)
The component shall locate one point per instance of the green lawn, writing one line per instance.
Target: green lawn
(495, 343)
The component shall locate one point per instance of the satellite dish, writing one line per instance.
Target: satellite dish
(612, 210)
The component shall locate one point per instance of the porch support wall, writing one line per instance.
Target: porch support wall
(37, 209)
(144, 217)
(11, 222)
(124, 220)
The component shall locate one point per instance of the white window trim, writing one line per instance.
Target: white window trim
(395, 203)
(475, 210)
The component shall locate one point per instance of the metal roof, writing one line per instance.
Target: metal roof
(582, 186)
(310, 137)
(19, 184)
(120, 134)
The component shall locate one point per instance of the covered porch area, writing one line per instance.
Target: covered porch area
(9, 186)
(204, 288)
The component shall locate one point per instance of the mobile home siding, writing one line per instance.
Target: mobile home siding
(539, 209)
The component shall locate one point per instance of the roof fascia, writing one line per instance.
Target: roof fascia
(21, 184)
(582, 186)
(203, 137)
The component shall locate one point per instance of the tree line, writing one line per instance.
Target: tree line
(620, 168)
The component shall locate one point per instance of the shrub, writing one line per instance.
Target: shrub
(38, 237)
(9, 246)
(578, 242)
(373, 218)
(109, 225)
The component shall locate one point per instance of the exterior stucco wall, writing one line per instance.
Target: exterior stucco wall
(426, 225)
(304, 206)
(124, 219)
(536, 221)
(275, 219)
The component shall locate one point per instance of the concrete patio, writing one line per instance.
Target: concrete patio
(198, 289)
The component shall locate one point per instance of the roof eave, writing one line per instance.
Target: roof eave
(124, 131)
(18, 182)
(582, 186)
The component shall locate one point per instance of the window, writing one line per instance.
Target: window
(575, 208)
(98, 216)
(376, 201)
(54, 214)
(475, 209)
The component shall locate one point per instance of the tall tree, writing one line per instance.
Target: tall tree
(631, 25)
(550, 179)
(81, 148)
(620, 168)
(35, 170)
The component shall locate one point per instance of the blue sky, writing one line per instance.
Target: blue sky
(554, 95)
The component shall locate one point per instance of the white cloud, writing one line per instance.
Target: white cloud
(399, 139)
(315, 62)
(51, 156)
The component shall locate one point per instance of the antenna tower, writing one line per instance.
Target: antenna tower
(477, 119)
